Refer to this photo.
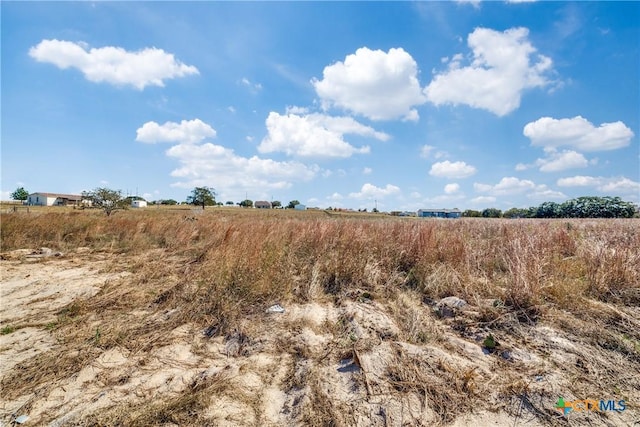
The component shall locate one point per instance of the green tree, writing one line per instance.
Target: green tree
(106, 199)
(276, 204)
(229, 203)
(491, 213)
(516, 213)
(292, 204)
(202, 196)
(470, 213)
(20, 194)
(246, 203)
(548, 210)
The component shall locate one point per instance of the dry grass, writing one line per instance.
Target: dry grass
(216, 269)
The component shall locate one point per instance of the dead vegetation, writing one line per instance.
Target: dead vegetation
(176, 331)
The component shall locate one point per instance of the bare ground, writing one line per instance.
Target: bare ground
(353, 361)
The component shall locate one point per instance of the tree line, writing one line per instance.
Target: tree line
(581, 207)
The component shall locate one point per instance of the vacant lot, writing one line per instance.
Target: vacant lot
(160, 317)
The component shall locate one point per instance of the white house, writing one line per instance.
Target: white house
(138, 204)
(54, 199)
(300, 207)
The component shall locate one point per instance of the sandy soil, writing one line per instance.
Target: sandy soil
(291, 361)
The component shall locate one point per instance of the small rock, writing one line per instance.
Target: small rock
(448, 306)
(453, 302)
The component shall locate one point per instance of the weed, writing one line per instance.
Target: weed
(7, 330)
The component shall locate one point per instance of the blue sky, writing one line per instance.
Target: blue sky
(406, 105)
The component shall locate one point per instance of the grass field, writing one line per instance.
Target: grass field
(173, 328)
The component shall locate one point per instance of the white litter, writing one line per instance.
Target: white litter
(22, 419)
(277, 308)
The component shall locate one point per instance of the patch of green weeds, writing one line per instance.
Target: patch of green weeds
(7, 330)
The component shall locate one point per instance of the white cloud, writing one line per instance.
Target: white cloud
(578, 181)
(254, 87)
(500, 72)
(511, 186)
(544, 193)
(578, 133)
(620, 185)
(187, 131)
(507, 185)
(449, 169)
(314, 135)
(427, 151)
(367, 171)
(451, 188)
(293, 109)
(373, 83)
(233, 175)
(335, 197)
(370, 191)
(114, 65)
(561, 161)
(614, 185)
(522, 167)
(474, 3)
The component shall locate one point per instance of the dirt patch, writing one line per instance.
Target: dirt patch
(351, 362)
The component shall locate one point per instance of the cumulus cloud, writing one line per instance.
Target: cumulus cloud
(545, 193)
(449, 169)
(370, 191)
(187, 131)
(315, 135)
(506, 186)
(114, 65)
(451, 188)
(578, 133)
(207, 164)
(620, 185)
(367, 171)
(561, 161)
(221, 167)
(373, 83)
(614, 185)
(511, 186)
(578, 181)
(504, 65)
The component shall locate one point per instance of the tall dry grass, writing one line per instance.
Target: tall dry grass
(216, 269)
(247, 261)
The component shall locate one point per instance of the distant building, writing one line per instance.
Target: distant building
(138, 204)
(439, 213)
(300, 207)
(261, 204)
(54, 199)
